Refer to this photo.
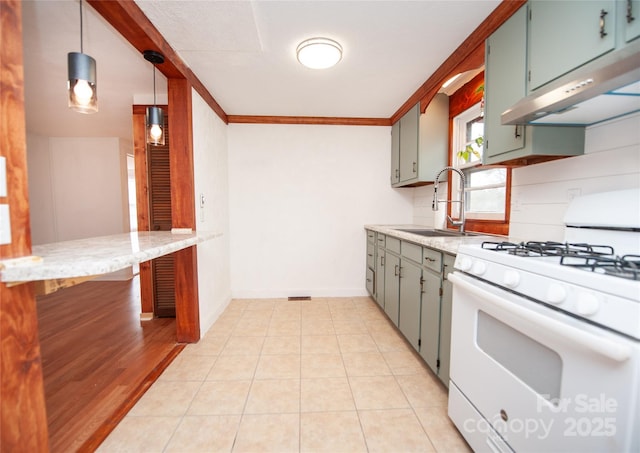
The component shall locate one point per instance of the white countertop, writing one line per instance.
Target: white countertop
(96, 256)
(448, 244)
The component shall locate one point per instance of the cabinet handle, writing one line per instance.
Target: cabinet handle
(517, 132)
(414, 167)
(630, 17)
(603, 13)
(397, 173)
(395, 271)
(369, 254)
(422, 280)
(382, 261)
(431, 260)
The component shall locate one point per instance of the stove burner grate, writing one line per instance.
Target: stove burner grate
(627, 266)
(549, 248)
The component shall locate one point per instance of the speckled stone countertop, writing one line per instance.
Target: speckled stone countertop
(448, 244)
(96, 256)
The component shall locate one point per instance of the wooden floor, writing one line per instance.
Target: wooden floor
(96, 355)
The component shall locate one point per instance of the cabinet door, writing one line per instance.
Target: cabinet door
(371, 281)
(409, 125)
(380, 265)
(564, 35)
(410, 295)
(631, 20)
(391, 286)
(430, 319)
(445, 321)
(395, 153)
(505, 73)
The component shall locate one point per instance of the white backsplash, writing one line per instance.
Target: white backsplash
(540, 193)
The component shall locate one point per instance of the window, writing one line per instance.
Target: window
(485, 188)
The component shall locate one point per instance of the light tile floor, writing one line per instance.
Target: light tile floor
(326, 375)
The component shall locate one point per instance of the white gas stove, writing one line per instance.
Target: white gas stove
(545, 352)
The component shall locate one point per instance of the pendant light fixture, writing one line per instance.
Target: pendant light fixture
(155, 115)
(81, 83)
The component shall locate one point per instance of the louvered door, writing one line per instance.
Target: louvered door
(164, 304)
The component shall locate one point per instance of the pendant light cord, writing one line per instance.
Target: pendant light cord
(154, 85)
(81, 48)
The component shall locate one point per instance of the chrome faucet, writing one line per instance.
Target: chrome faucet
(434, 205)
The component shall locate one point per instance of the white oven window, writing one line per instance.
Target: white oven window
(533, 363)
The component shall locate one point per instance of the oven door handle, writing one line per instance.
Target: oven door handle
(603, 346)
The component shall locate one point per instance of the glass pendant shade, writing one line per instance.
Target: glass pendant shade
(155, 126)
(81, 84)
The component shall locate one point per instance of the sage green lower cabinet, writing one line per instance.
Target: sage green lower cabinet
(446, 304)
(430, 319)
(392, 286)
(380, 265)
(410, 300)
(410, 284)
(370, 281)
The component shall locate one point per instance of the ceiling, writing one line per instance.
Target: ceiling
(244, 54)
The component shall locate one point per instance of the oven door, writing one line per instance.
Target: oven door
(542, 380)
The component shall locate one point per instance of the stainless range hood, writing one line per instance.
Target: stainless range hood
(606, 88)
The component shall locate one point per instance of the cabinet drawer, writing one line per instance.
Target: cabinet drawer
(381, 240)
(432, 259)
(412, 251)
(371, 236)
(393, 244)
(371, 259)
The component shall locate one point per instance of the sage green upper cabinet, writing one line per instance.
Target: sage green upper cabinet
(631, 20)
(564, 35)
(505, 84)
(419, 144)
(409, 126)
(395, 154)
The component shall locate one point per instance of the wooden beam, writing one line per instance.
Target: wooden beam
(183, 214)
(129, 20)
(142, 201)
(340, 121)
(450, 66)
(23, 418)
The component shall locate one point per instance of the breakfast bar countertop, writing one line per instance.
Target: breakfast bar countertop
(97, 255)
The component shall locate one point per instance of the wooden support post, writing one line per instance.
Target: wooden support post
(183, 213)
(23, 418)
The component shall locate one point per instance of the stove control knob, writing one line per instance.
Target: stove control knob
(464, 263)
(587, 304)
(479, 268)
(556, 294)
(511, 279)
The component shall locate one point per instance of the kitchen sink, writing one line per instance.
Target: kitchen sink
(437, 233)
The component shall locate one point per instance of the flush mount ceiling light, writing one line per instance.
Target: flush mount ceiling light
(319, 53)
(81, 82)
(155, 115)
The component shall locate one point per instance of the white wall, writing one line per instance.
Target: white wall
(211, 180)
(540, 193)
(77, 187)
(300, 196)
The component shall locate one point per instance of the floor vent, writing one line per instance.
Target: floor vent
(299, 298)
